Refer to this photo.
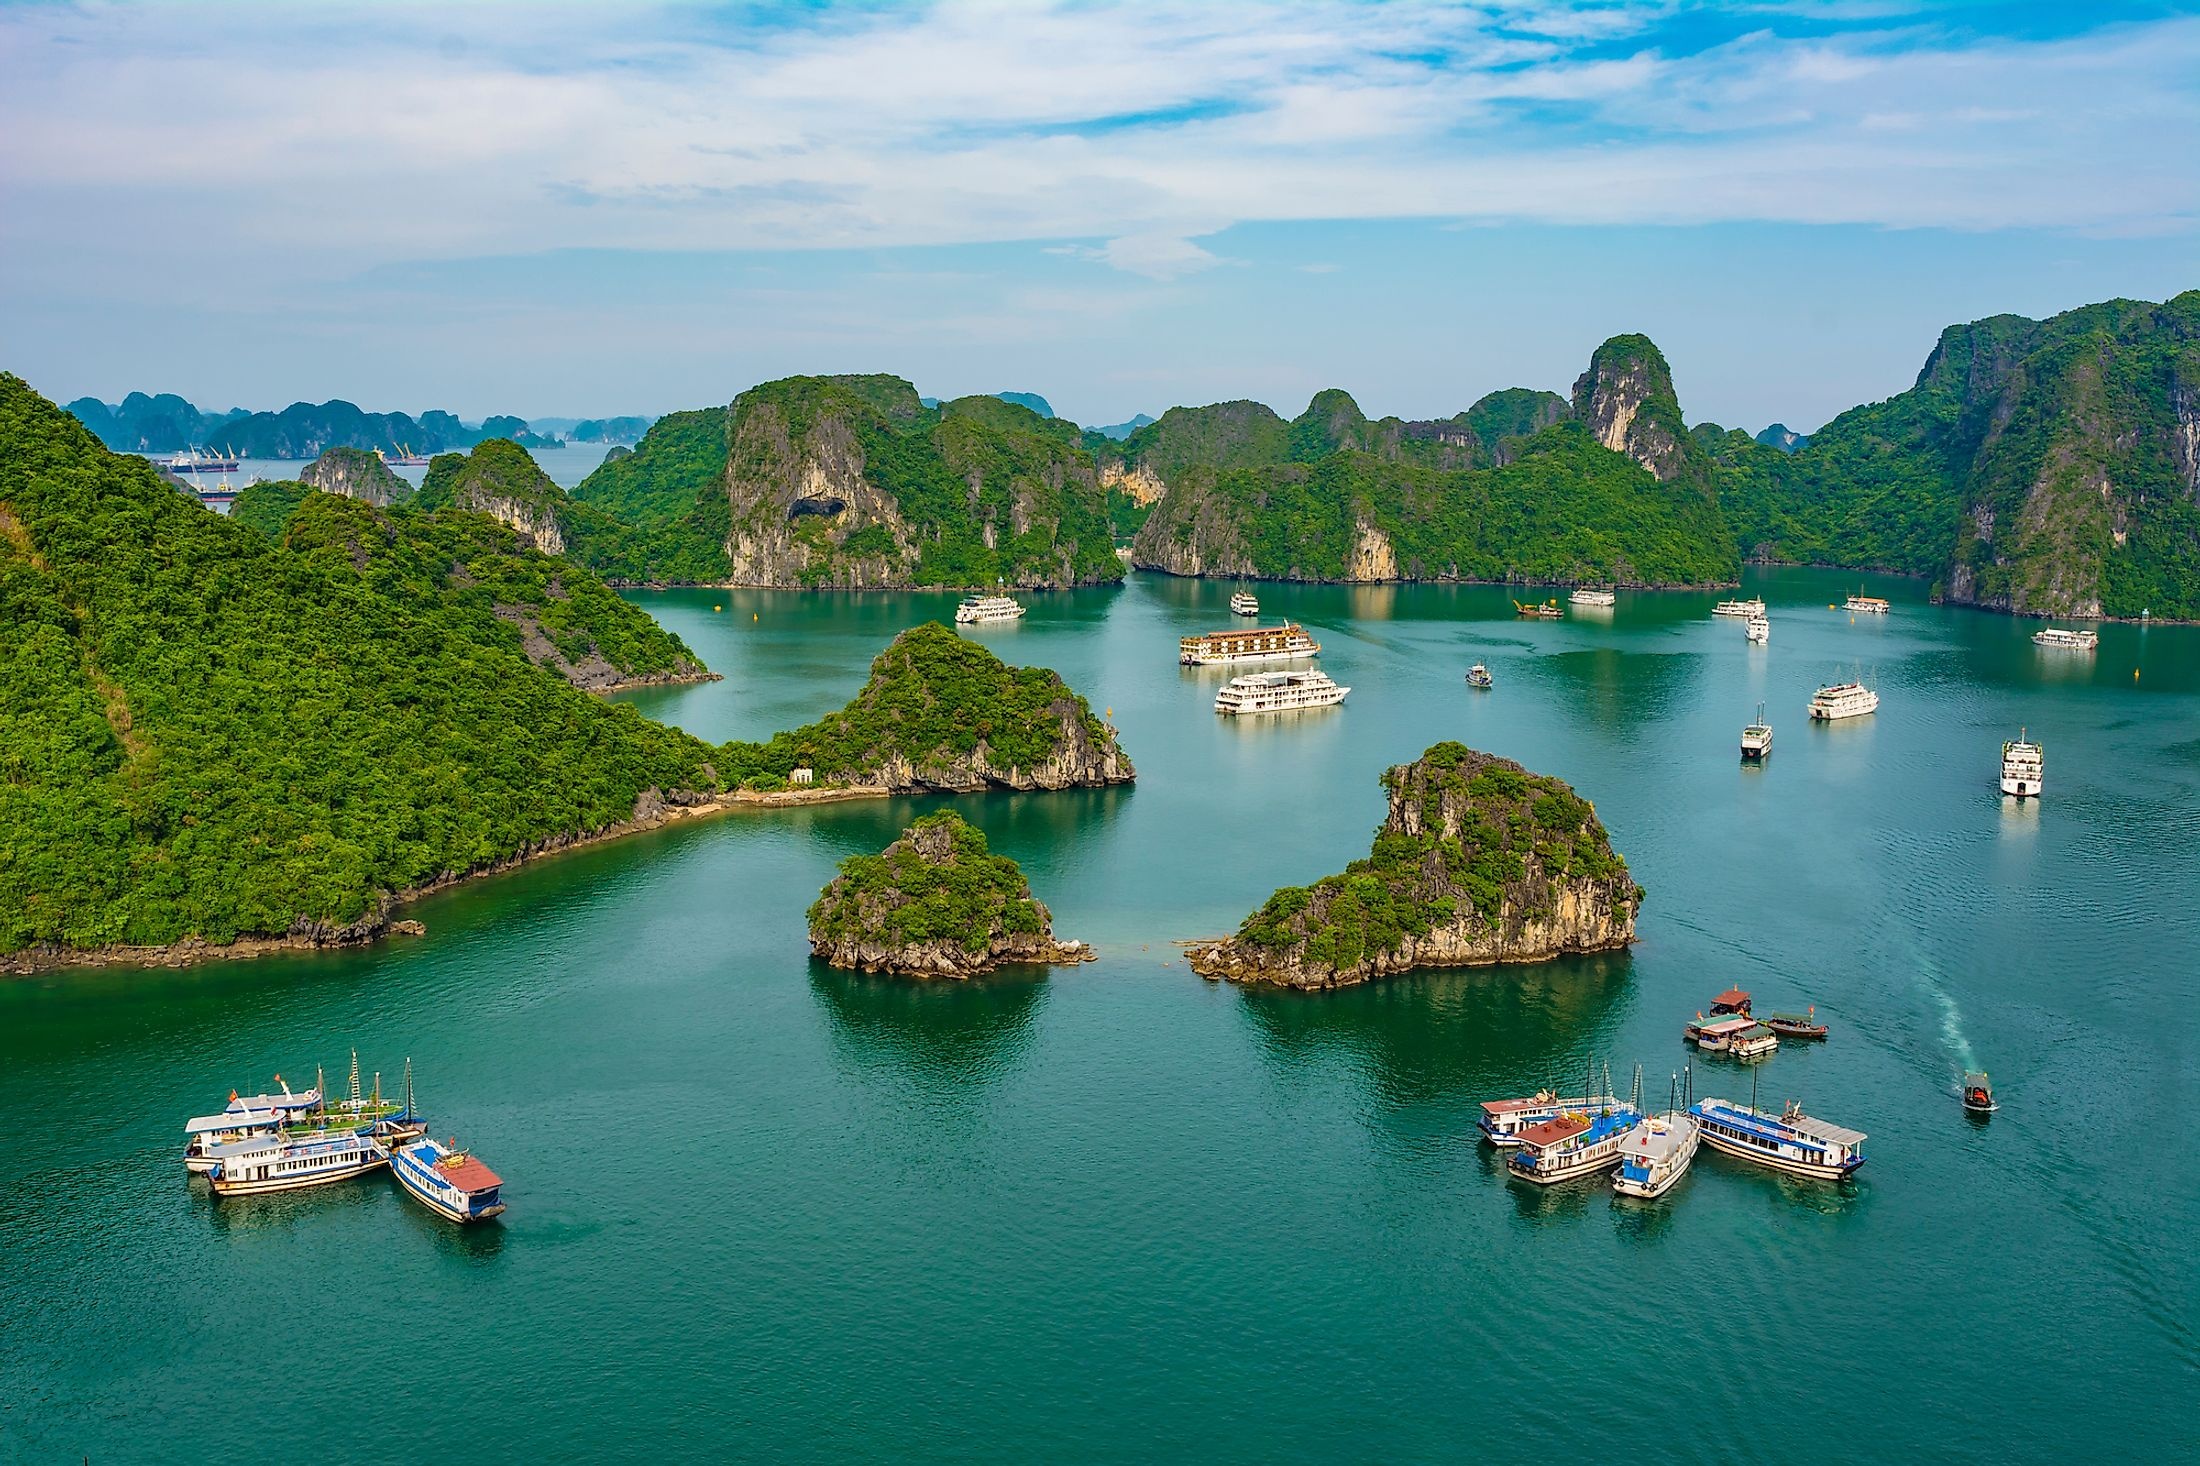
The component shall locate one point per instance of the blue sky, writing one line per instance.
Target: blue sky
(571, 209)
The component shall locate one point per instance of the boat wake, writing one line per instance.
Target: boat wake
(1951, 1023)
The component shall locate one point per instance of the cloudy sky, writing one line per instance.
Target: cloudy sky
(583, 210)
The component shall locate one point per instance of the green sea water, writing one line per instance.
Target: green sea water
(763, 1210)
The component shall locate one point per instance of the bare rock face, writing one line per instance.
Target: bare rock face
(500, 479)
(1479, 861)
(799, 497)
(1626, 399)
(356, 474)
(936, 903)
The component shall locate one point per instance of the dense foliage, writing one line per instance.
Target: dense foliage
(203, 732)
(938, 883)
(267, 505)
(1488, 833)
(933, 698)
(672, 490)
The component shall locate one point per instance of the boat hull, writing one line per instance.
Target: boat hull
(1791, 1166)
(1571, 1171)
(329, 1177)
(2022, 788)
(448, 1202)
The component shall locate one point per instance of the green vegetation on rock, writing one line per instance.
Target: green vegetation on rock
(938, 885)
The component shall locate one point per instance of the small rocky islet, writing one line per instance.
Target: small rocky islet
(937, 903)
(1478, 861)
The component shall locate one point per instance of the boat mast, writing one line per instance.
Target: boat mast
(408, 1087)
(355, 1079)
(1753, 1089)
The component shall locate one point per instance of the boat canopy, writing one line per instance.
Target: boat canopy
(1550, 1131)
(1726, 1023)
(231, 1120)
(1731, 998)
(1822, 1130)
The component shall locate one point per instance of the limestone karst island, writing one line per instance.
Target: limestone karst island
(1091, 730)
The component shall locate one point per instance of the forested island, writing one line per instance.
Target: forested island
(1478, 861)
(221, 734)
(166, 423)
(935, 903)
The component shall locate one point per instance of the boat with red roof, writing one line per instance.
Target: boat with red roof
(1502, 1120)
(447, 1180)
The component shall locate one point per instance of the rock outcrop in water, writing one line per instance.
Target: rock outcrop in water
(935, 903)
(1479, 861)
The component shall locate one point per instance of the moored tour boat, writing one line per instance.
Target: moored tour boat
(1278, 692)
(1592, 596)
(1287, 642)
(1503, 1120)
(2023, 767)
(1655, 1154)
(978, 610)
(1753, 1042)
(1545, 611)
(282, 1162)
(1869, 605)
(1978, 1093)
(2056, 639)
(1791, 1141)
(1754, 607)
(246, 1117)
(1243, 604)
(1796, 1025)
(1757, 737)
(1572, 1144)
(1713, 1034)
(1842, 700)
(447, 1180)
(1733, 1000)
(1479, 676)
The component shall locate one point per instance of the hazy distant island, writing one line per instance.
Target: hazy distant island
(231, 733)
(935, 903)
(1479, 861)
(167, 423)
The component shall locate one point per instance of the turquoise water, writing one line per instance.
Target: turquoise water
(763, 1210)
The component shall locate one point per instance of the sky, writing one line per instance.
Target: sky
(583, 210)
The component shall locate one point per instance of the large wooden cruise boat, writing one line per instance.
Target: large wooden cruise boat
(1842, 700)
(1287, 642)
(980, 609)
(282, 1162)
(1278, 692)
(2055, 638)
(1790, 1141)
(1755, 607)
(2023, 767)
(1869, 605)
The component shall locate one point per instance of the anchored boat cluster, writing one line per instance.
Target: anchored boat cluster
(286, 1141)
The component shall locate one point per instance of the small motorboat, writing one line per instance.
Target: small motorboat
(1753, 1042)
(1714, 1034)
(1733, 1000)
(1479, 676)
(1796, 1025)
(1978, 1093)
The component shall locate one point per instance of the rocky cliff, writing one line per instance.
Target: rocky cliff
(356, 474)
(1626, 399)
(1479, 861)
(501, 480)
(935, 903)
(941, 713)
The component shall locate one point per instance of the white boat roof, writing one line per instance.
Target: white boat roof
(1822, 1130)
(230, 1120)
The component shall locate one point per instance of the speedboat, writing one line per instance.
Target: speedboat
(1978, 1093)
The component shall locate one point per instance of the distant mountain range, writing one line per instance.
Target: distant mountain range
(168, 424)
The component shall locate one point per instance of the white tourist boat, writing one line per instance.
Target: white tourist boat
(282, 1162)
(1288, 642)
(447, 1180)
(245, 1117)
(1572, 1144)
(1869, 605)
(1503, 1119)
(1655, 1154)
(1278, 692)
(1753, 1042)
(977, 610)
(1842, 700)
(1758, 629)
(1744, 609)
(1591, 596)
(2055, 638)
(2023, 766)
(1243, 603)
(1790, 1141)
(1757, 737)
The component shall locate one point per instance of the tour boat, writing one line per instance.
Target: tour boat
(447, 1180)
(1796, 1025)
(1790, 1141)
(1757, 737)
(1713, 1034)
(1278, 692)
(1503, 1120)
(1655, 1154)
(2023, 765)
(1547, 611)
(245, 1117)
(1479, 676)
(1842, 700)
(1288, 642)
(980, 609)
(1572, 1143)
(282, 1162)
(1733, 1002)
(2057, 639)
(1758, 630)
(1753, 1042)
(1589, 596)
(1244, 604)
(1978, 1093)
(1869, 605)
(1746, 610)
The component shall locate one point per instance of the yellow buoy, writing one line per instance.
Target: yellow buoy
(718, 608)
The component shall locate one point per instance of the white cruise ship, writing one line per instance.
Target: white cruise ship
(2057, 639)
(2023, 767)
(1869, 605)
(1757, 737)
(1244, 604)
(1758, 629)
(1288, 642)
(1843, 700)
(1590, 596)
(1278, 692)
(1744, 609)
(976, 609)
